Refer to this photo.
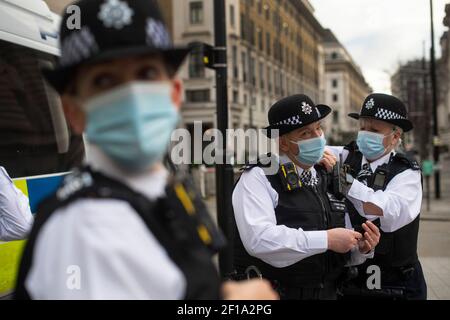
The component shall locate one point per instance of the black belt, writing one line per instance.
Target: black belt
(28, 149)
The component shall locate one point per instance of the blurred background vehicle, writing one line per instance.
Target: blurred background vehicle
(36, 145)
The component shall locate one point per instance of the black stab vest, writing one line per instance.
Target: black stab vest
(309, 208)
(166, 218)
(399, 248)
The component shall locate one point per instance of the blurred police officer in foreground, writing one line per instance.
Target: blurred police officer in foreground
(292, 230)
(15, 214)
(122, 227)
(383, 183)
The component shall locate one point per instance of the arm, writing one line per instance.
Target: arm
(254, 201)
(397, 206)
(15, 214)
(116, 255)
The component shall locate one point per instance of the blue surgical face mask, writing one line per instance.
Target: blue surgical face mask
(132, 124)
(371, 144)
(311, 150)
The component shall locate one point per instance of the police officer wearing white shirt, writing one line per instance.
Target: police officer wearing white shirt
(386, 184)
(123, 227)
(291, 229)
(15, 214)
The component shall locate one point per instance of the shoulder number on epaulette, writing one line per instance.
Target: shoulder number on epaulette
(413, 164)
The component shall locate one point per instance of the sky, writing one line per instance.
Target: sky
(380, 34)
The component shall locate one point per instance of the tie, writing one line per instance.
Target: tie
(365, 173)
(307, 179)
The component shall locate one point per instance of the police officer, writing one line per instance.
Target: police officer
(291, 229)
(383, 183)
(15, 214)
(123, 227)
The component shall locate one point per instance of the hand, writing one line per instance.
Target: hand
(249, 290)
(371, 237)
(329, 160)
(345, 180)
(342, 240)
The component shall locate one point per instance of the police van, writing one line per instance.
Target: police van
(37, 147)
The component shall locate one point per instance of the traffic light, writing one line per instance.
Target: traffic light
(207, 53)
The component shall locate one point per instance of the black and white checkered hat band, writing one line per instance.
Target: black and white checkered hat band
(291, 121)
(388, 115)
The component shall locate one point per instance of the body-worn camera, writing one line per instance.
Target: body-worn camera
(289, 177)
(379, 179)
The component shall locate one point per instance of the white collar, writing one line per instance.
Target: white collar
(151, 183)
(375, 164)
(285, 159)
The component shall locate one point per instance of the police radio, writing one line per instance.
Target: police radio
(289, 177)
(336, 183)
(379, 179)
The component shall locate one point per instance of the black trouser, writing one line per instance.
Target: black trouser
(396, 284)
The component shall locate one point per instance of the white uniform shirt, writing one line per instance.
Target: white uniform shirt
(101, 249)
(401, 201)
(254, 203)
(15, 214)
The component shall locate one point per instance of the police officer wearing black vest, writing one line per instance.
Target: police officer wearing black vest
(123, 226)
(291, 229)
(385, 184)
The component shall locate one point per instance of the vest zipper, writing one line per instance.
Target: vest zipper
(326, 218)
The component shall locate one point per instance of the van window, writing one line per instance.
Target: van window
(34, 136)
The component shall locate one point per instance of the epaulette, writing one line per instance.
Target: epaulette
(408, 161)
(263, 162)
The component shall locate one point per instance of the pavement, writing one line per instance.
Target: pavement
(434, 254)
(434, 237)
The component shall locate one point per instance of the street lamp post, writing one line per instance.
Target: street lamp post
(224, 170)
(437, 177)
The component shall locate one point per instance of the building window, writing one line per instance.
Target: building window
(335, 98)
(261, 75)
(334, 55)
(300, 65)
(299, 40)
(197, 95)
(243, 27)
(251, 64)
(269, 79)
(281, 53)
(268, 43)
(267, 9)
(260, 40)
(335, 83)
(252, 32)
(232, 18)
(244, 67)
(196, 66)
(335, 116)
(287, 57)
(276, 79)
(196, 12)
(235, 63)
(275, 49)
(235, 96)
